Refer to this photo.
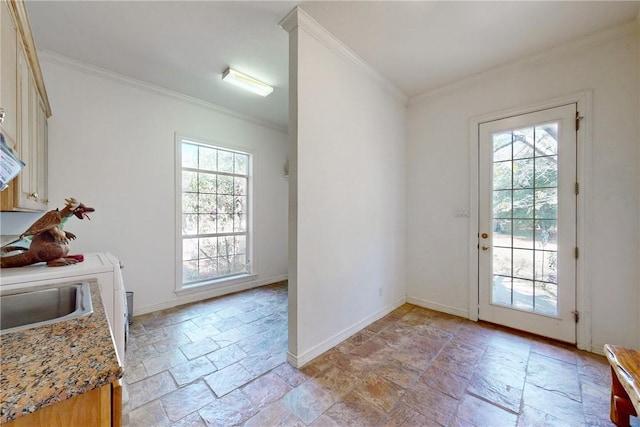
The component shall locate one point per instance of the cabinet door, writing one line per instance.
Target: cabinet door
(25, 130)
(8, 66)
(43, 157)
(27, 141)
(93, 408)
(32, 142)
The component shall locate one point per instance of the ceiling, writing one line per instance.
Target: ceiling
(184, 46)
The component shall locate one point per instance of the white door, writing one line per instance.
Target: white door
(527, 222)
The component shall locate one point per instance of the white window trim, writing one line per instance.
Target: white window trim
(251, 275)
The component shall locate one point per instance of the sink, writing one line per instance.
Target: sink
(43, 306)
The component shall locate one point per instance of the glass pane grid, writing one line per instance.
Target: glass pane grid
(525, 219)
(214, 214)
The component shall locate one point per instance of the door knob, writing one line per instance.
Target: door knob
(484, 248)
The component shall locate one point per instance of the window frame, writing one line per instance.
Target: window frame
(185, 288)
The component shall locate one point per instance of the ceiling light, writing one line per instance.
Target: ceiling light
(246, 82)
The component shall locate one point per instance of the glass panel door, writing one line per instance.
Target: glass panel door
(527, 222)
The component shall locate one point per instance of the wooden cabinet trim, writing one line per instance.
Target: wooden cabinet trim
(24, 28)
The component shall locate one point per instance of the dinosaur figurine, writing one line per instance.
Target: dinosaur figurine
(49, 243)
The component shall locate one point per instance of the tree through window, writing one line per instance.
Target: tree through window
(215, 214)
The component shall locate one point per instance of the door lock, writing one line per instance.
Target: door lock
(484, 235)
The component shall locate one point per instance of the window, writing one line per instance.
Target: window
(214, 199)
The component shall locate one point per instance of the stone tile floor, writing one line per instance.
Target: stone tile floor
(221, 362)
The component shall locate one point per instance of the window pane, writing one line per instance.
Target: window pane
(523, 264)
(547, 266)
(225, 223)
(225, 246)
(523, 143)
(523, 173)
(523, 294)
(225, 161)
(502, 146)
(239, 185)
(207, 183)
(207, 224)
(207, 203)
(547, 203)
(502, 175)
(189, 271)
(189, 249)
(502, 261)
(547, 139)
(189, 156)
(546, 234)
(547, 171)
(225, 184)
(523, 204)
(546, 298)
(208, 247)
(190, 202)
(501, 290)
(502, 204)
(189, 181)
(208, 268)
(208, 158)
(523, 233)
(239, 223)
(239, 204)
(501, 232)
(225, 204)
(241, 244)
(189, 224)
(239, 263)
(242, 164)
(225, 265)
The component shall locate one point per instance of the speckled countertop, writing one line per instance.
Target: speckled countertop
(48, 364)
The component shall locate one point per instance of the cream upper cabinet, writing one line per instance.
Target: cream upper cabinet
(24, 100)
(8, 75)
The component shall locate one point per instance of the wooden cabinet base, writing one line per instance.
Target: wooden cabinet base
(101, 407)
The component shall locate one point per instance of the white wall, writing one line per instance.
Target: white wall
(111, 146)
(438, 178)
(350, 178)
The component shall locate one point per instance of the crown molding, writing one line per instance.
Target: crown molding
(64, 61)
(298, 18)
(539, 58)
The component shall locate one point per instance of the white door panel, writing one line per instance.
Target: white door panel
(527, 222)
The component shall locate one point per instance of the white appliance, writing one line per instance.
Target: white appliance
(102, 266)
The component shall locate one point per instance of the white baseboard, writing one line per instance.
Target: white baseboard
(597, 349)
(210, 293)
(438, 307)
(301, 360)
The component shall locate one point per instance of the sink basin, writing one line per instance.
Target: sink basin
(43, 306)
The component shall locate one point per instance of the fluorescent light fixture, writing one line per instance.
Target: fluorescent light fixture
(246, 82)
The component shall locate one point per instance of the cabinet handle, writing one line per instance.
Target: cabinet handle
(33, 196)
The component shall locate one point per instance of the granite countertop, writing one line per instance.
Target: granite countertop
(45, 365)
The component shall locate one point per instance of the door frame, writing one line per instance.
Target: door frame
(584, 168)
